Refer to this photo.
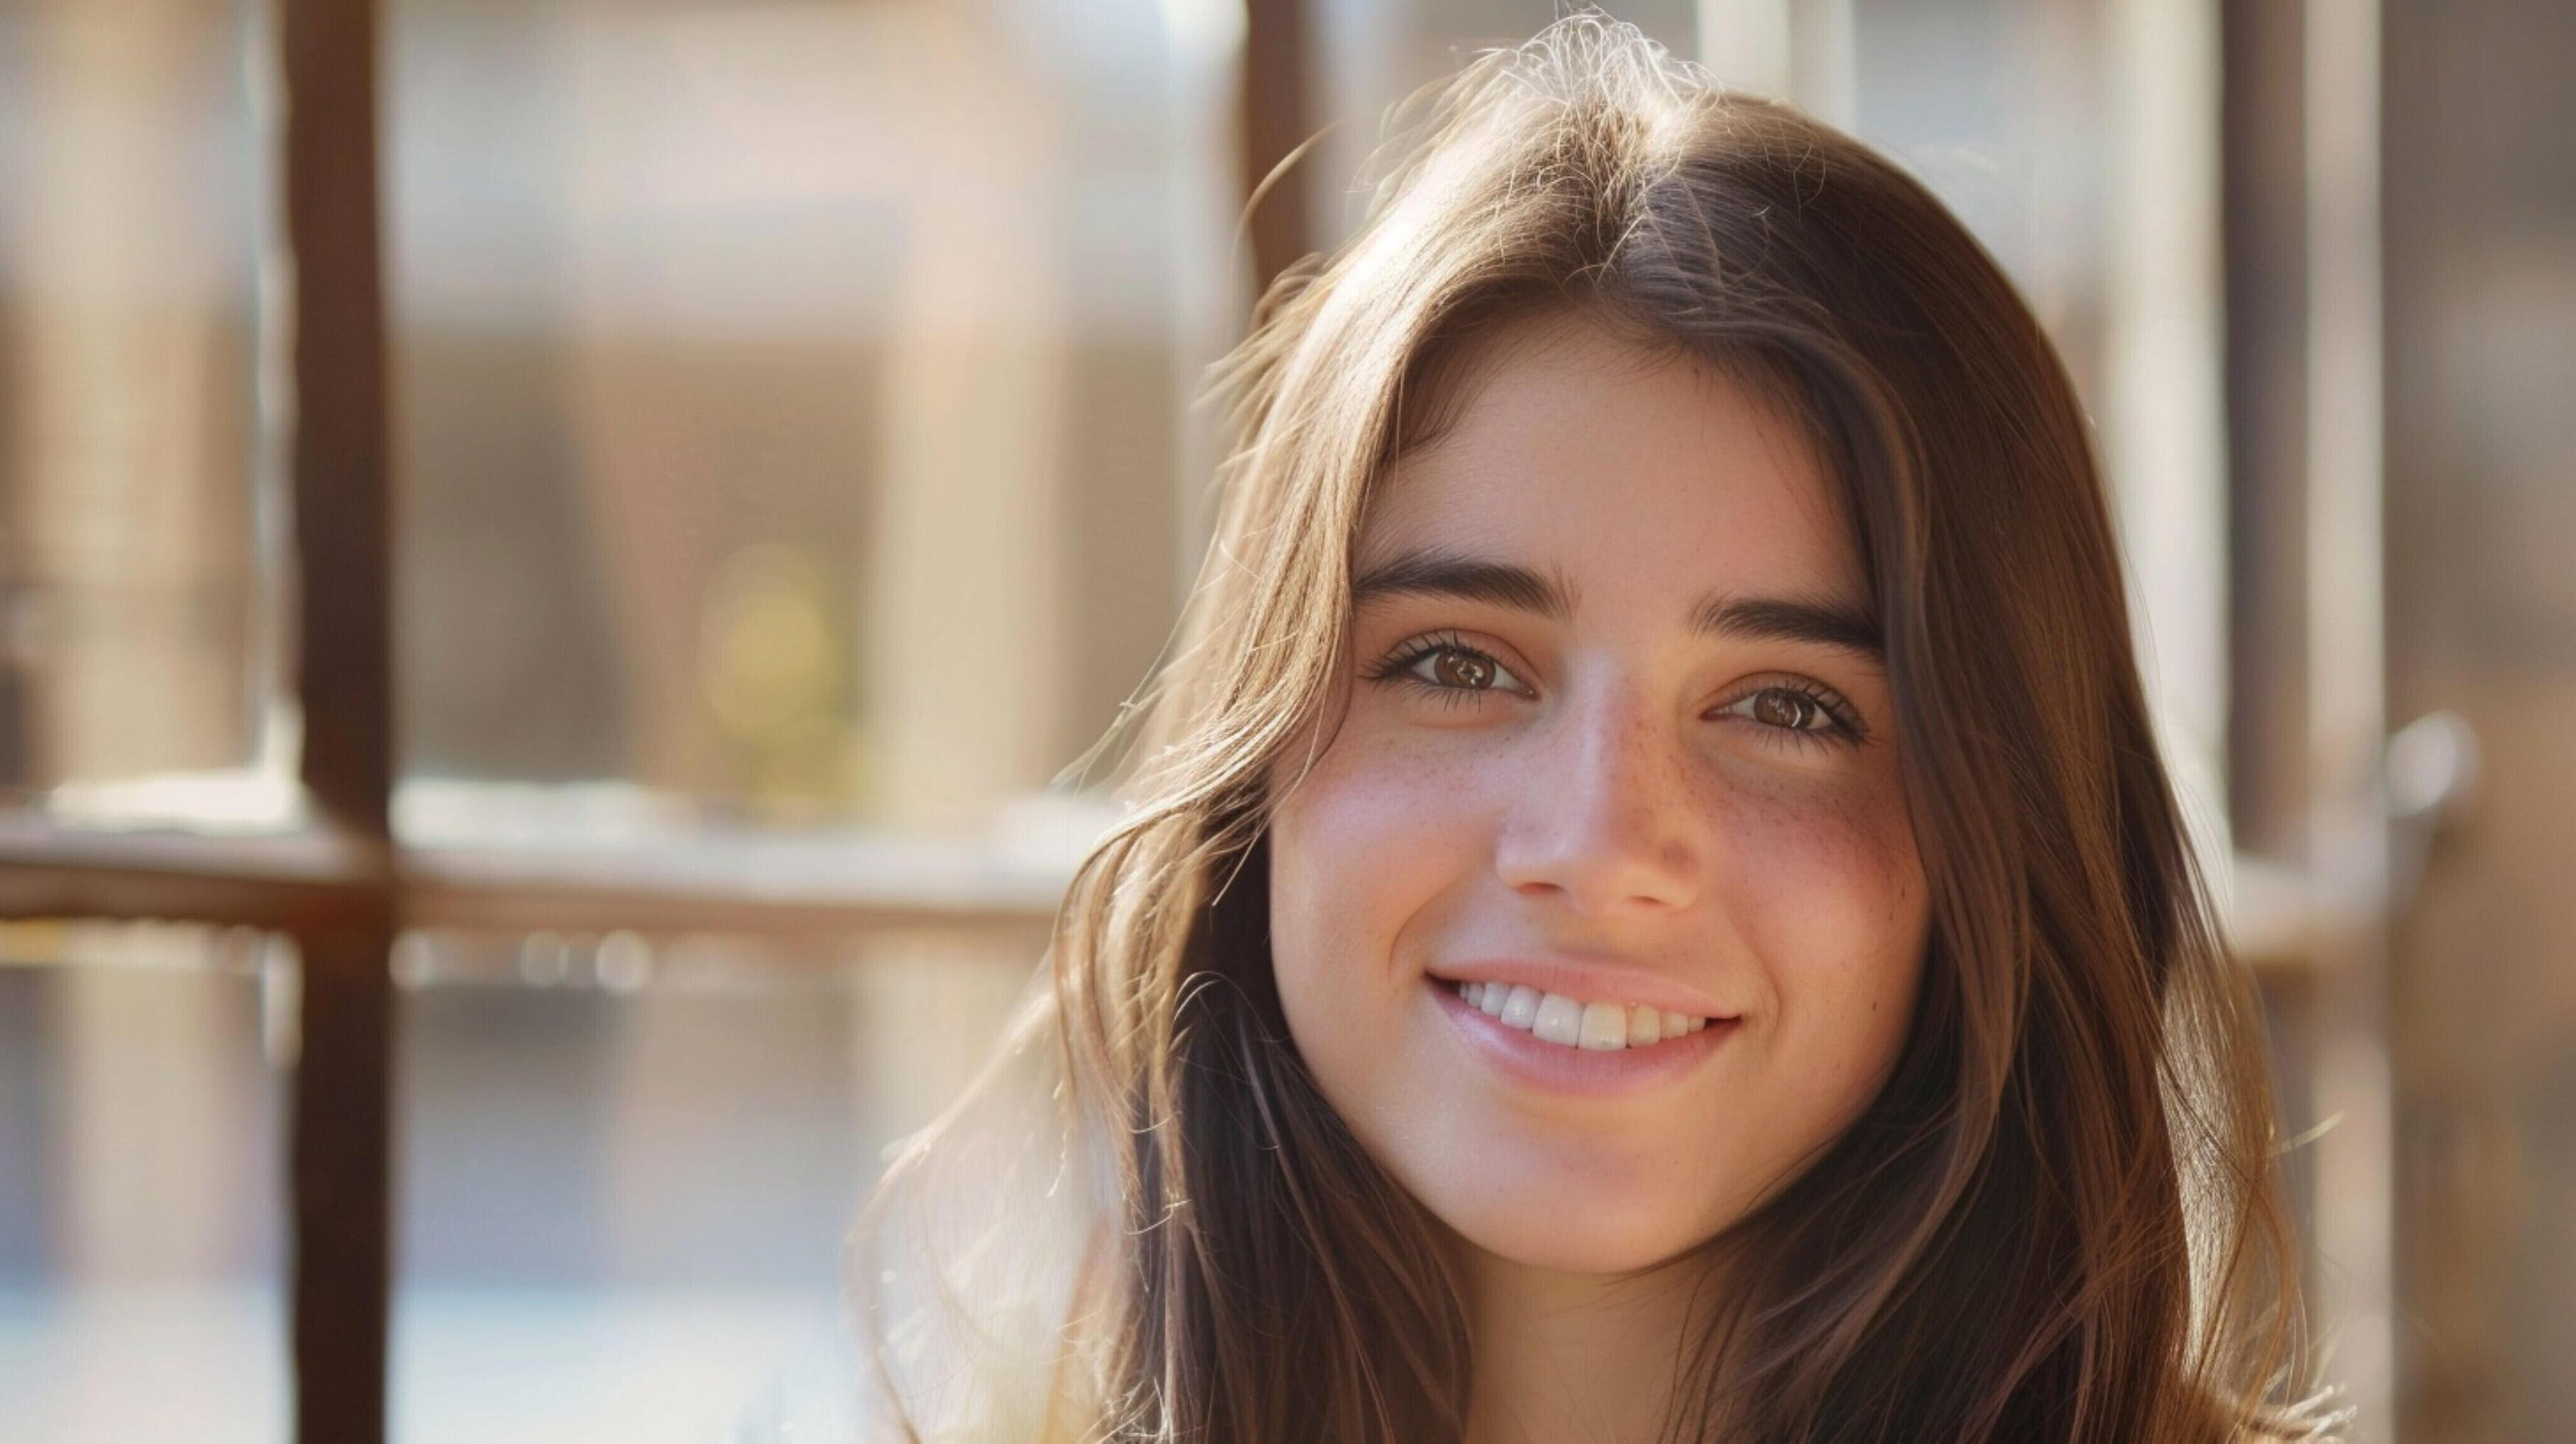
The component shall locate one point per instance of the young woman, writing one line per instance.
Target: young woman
(1650, 908)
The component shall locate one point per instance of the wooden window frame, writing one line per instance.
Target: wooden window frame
(343, 888)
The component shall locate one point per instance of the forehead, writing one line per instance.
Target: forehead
(1631, 472)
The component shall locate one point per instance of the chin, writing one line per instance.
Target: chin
(1566, 1254)
(1579, 1231)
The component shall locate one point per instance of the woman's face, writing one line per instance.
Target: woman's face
(1615, 748)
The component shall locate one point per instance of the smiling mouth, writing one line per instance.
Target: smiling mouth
(1574, 1022)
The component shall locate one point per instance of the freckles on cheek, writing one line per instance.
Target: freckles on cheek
(1839, 897)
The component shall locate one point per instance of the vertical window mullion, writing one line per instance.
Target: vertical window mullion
(1276, 114)
(342, 1112)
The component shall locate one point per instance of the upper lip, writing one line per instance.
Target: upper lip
(1593, 982)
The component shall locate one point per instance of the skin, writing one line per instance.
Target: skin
(1613, 786)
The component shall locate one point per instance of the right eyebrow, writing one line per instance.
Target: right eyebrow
(1430, 572)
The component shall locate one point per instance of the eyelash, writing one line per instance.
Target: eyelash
(1841, 727)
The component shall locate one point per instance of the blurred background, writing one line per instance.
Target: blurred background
(790, 463)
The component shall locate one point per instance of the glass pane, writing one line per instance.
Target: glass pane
(792, 396)
(141, 1221)
(139, 544)
(2002, 107)
(627, 1165)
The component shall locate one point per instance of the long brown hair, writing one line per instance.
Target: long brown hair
(2058, 1220)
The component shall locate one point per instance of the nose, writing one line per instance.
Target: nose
(1608, 821)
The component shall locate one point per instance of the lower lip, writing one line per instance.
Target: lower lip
(1526, 1058)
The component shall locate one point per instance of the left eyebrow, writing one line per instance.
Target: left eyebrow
(1782, 620)
(1431, 572)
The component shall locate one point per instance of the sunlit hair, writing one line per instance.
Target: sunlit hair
(2058, 1219)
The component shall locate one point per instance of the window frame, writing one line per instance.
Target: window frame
(343, 888)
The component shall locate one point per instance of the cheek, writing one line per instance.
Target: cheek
(1366, 857)
(1829, 890)
(1362, 851)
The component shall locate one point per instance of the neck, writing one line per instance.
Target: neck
(1574, 1357)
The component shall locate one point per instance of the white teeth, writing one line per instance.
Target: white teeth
(1573, 1023)
(1560, 1020)
(1605, 1027)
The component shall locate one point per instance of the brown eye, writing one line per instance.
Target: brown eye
(1452, 671)
(1780, 707)
(1794, 716)
(1454, 668)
